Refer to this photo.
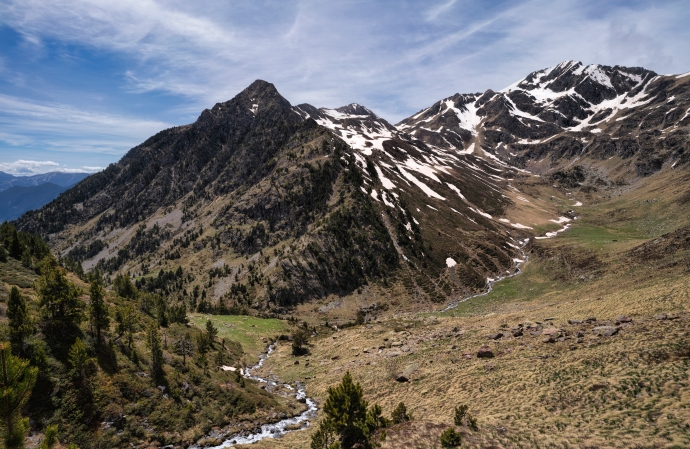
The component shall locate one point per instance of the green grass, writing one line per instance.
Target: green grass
(247, 330)
(599, 237)
(532, 283)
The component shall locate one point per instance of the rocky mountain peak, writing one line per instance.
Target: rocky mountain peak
(356, 109)
(257, 97)
(594, 83)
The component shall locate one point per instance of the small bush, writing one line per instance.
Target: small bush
(299, 341)
(450, 438)
(400, 414)
(462, 418)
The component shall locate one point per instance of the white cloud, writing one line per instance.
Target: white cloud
(27, 167)
(22, 167)
(332, 53)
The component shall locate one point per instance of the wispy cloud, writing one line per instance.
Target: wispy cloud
(68, 129)
(396, 60)
(433, 13)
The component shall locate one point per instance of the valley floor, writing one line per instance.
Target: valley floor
(590, 347)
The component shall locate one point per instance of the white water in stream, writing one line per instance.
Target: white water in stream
(278, 429)
(525, 258)
(490, 283)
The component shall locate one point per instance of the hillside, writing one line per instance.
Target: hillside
(269, 209)
(522, 252)
(110, 395)
(255, 195)
(589, 345)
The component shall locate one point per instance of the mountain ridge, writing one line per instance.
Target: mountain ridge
(16, 200)
(63, 179)
(437, 191)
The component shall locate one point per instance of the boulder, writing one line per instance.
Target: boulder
(575, 321)
(605, 331)
(662, 317)
(517, 332)
(623, 319)
(495, 336)
(406, 374)
(552, 331)
(485, 353)
(400, 378)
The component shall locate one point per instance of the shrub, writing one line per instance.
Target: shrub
(400, 414)
(450, 438)
(462, 417)
(299, 340)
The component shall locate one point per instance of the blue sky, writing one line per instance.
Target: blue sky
(81, 82)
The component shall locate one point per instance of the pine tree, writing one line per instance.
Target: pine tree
(125, 318)
(58, 297)
(78, 357)
(26, 258)
(17, 379)
(153, 339)
(450, 438)
(299, 341)
(19, 322)
(463, 417)
(211, 331)
(185, 347)
(3, 254)
(50, 439)
(400, 414)
(346, 411)
(15, 246)
(98, 310)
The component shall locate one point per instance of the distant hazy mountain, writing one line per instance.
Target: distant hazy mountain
(16, 200)
(57, 178)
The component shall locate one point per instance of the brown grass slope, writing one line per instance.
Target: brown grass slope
(562, 383)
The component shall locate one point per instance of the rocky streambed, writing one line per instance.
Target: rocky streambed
(277, 429)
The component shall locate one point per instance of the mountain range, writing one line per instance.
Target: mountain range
(56, 177)
(272, 205)
(19, 194)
